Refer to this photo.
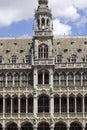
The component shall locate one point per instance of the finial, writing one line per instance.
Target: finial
(43, 1)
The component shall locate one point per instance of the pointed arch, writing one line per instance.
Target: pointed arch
(26, 126)
(17, 79)
(75, 126)
(63, 79)
(60, 126)
(9, 79)
(70, 79)
(11, 126)
(43, 126)
(43, 51)
(78, 79)
(43, 103)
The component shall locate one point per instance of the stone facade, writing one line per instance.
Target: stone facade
(43, 79)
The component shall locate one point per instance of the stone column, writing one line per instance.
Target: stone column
(68, 127)
(81, 79)
(60, 104)
(19, 128)
(19, 106)
(3, 128)
(68, 104)
(11, 105)
(3, 106)
(13, 81)
(35, 127)
(75, 105)
(6, 80)
(52, 127)
(43, 78)
(35, 99)
(83, 106)
(74, 79)
(51, 104)
(35, 105)
(83, 128)
(26, 105)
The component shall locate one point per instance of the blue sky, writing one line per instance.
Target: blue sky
(17, 17)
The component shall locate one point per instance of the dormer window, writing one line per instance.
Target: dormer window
(59, 58)
(28, 59)
(73, 58)
(43, 51)
(14, 58)
(0, 59)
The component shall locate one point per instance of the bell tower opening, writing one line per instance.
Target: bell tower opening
(43, 16)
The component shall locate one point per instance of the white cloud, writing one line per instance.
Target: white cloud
(67, 10)
(60, 28)
(64, 9)
(16, 10)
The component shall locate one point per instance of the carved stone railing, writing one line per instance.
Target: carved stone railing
(71, 65)
(43, 87)
(15, 66)
(70, 115)
(44, 62)
(42, 115)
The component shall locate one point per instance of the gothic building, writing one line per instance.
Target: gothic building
(43, 79)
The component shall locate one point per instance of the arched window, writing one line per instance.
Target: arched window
(17, 80)
(75, 126)
(86, 103)
(10, 80)
(43, 126)
(8, 104)
(43, 104)
(43, 51)
(24, 80)
(73, 58)
(2, 80)
(43, 23)
(30, 104)
(71, 104)
(79, 103)
(63, 104)
(12, 126)
(78, 79)
(23, 104)
(70, 79)
(14, 58)
(27, 126)
(85, 78)
(48, 22)
(56, 79)
(0, 126)
(15, 105)
(30, 79)
(1, 104)
(43, 77)
(56, 104)
(86, 127)
(60, 126)
(63, 79)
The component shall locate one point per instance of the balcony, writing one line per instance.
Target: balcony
(71, 65)
(44, 62)
(15, 66)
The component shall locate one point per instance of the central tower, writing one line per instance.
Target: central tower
(43, 32)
